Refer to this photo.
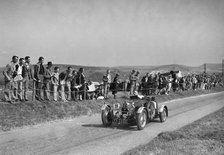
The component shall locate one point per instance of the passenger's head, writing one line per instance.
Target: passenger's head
(15, 59)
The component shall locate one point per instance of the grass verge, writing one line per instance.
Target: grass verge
(31, 113)
(204, 136)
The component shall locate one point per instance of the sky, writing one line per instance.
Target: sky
(113, 32)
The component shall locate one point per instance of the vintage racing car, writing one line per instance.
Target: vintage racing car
(134, 114)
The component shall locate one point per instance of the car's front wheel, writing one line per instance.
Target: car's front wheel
(106, 118)
(141, 119)
(163, 115)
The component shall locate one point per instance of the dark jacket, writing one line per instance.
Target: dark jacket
(27, 72)
(38, 70)
(81, 79)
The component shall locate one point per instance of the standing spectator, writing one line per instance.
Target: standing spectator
(8, 77)
(182, 83)
(160, 87)
(115, 85)
(150, 84)
(47, 81)
(156, 83)
(106, 83)
(18, 79)
(81, 80)
(73, 86)
(188, 83)
(175, 83)
(132, 79)
(194, 82)
(137, 77)
(144, 82)
(213, 79)
(62, 77)
(169, 84)
(68, 79)
(55, 83)
(39, 71)
(27, 76)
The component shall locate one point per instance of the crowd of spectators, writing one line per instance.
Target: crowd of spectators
(165, 83)
(49, 83)
(46, 82)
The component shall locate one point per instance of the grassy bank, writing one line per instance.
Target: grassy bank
(205, 136)
(31, 113)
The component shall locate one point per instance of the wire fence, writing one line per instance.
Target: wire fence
(82, 92)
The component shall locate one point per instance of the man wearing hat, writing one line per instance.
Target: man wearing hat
(47, 80)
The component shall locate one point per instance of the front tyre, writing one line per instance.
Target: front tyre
(106, 118)
(163, 115)
(141, 119)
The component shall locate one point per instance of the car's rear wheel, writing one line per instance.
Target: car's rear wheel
(106, 118)
(163, 115)
(141, 119)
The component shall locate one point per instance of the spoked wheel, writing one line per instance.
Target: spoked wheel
(142, 120)
(163, 115)
(106, 118)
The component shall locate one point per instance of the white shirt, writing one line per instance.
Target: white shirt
(19, 71)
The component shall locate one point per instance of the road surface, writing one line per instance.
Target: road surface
(86, 135)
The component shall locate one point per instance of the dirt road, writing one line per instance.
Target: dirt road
(86, 135)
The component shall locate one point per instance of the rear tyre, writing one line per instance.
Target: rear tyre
(106, 118)
(141, 120)
(163, 115)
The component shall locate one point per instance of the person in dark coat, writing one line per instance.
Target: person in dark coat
(39, 72)
(115, 85)
(81, 80)
(145, 84)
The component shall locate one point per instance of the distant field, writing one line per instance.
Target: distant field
(205, 136)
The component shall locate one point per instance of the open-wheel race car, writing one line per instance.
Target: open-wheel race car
(133, 113)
